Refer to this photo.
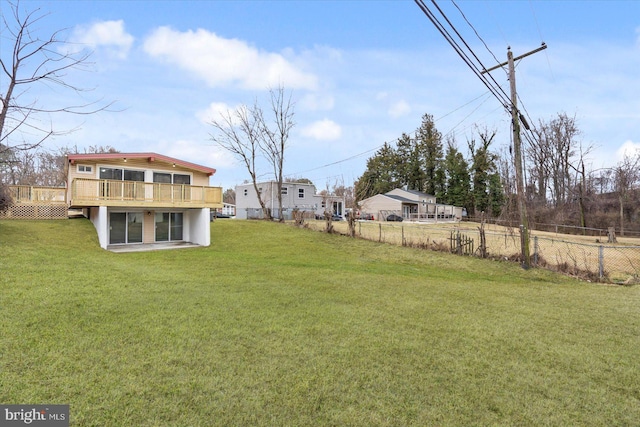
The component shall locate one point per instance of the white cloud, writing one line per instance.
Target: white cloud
(108, 34)
(323, 130)
(399, 109)
(193, 151)
(214, 112)
(220, 61)
(629, 148)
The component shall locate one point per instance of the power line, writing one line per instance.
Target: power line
(408, 133)
(474, 30)
(337, 162)
(494, 87)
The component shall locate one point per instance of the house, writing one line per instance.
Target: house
(410, 205)
(228, 211)
(295, 195)
(142, 198)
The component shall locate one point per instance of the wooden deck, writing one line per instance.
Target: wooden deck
(34, 202)
(98, 192)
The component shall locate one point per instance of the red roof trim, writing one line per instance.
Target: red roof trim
(151, 157)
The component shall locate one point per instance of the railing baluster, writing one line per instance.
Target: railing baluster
(131, 193)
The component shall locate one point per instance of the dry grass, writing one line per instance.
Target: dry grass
(572, 254)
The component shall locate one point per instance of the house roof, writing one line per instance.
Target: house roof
(420, 194)
(415, 192)
(151, 157)
(400, 198)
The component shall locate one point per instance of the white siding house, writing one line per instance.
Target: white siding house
(295, 195)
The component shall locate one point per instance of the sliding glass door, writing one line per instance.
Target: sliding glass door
(169, 226)
(125, 227)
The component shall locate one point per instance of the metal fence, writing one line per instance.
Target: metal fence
(560, 228)
(583, 256)
(608, 263)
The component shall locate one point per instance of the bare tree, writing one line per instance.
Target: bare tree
(581, 180)
(626, 177)
(552, 154)
(247, 135)
(274, 139)
(28, 63)
(239, 132)
(229, 196)
(42, 167)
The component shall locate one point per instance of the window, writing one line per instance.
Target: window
(171, 192)
(245, 192)
(181, 179)
(125, 227)
(284, 191)
(300, 193)
(168, 178)
(169, 226)
(84, 169)
(127, 189)
(111, 173)
(131, 175)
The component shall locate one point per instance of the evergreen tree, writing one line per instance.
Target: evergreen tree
(497, 196)
(487, 189)
(381, 175)
(458, 184)
(410, 170)
(429, 141)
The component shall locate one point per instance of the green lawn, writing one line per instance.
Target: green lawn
(279, 326)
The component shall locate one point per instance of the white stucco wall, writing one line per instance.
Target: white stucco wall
(198, 226)
(99, 218)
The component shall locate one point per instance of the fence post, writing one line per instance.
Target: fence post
(535, 250)
(601, 261)
(380, 232)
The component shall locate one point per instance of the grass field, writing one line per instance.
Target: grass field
(274, 325)
(583, 256)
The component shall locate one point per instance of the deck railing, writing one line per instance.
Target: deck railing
(33, 195)
(101, 192)
(32, 202)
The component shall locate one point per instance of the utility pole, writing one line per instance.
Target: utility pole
(517, 149)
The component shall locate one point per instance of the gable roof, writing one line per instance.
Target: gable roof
(151, 157)
(400, 198)
(414, 192)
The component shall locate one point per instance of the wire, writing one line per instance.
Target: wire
(503, 99)
(337, 162)
(535, 19)
(474, 30)
(466, 117)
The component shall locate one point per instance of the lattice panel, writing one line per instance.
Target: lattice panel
(35, 212)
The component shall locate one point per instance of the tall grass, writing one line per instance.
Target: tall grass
(274, 325)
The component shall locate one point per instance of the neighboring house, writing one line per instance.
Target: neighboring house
(142, 198)
(295, 195)
(228, 211)
(410, 205)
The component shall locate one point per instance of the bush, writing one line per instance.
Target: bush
(5, 197)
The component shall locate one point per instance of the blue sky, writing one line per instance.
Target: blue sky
(360, 72)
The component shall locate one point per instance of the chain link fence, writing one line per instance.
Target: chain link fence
(583, 256)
